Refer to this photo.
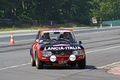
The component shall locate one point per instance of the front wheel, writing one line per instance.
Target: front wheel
(39, 64)
(82, 64)
(32, 61)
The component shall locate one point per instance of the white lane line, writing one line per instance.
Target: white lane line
(109, 65)
(4, 36)
(103, 49)
(15, 66)
(25, 40)
(18, 41)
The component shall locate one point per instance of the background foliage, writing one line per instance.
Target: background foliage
(80, 11)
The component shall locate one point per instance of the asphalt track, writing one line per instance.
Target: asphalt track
(102, 48)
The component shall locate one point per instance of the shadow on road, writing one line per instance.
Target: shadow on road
(68, 67)
(90, 67)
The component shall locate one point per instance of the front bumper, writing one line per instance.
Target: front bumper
(61, 59)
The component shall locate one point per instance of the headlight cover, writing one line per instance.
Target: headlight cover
(46, 53)
(77, 52)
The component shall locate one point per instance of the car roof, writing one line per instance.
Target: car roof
(56, 30)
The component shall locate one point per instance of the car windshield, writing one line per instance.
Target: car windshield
(58, 35)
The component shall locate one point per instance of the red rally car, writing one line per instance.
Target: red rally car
(57, 47)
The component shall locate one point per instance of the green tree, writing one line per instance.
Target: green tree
(105, 9)
(6, 10)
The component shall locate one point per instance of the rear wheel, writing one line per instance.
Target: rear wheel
(82, 64)
(39, 64)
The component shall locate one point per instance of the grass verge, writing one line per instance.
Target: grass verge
(36, 27)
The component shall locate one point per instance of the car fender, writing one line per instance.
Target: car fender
(37, 51)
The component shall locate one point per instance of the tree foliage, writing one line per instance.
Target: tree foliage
(106, 9)
(59, 10)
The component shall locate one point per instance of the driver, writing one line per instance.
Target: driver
(46, 36)
(66, 35)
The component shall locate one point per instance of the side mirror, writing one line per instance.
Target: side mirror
(80, 42)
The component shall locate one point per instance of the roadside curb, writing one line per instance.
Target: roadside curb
(113, 68)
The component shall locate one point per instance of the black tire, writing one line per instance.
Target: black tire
(82, 64)
(39, 64)
(32, 61)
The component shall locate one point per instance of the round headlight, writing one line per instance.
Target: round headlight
(43, 53)
(75, 52)
(48, 53)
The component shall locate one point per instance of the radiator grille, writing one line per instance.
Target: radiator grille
(62, 53)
